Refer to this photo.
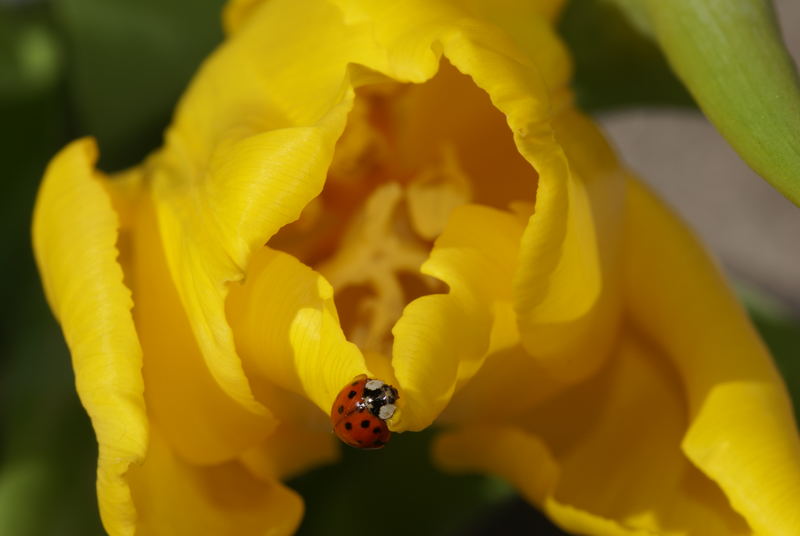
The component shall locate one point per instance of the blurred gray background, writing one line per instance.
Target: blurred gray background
(750, 227)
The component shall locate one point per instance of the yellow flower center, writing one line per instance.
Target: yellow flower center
(397, 174)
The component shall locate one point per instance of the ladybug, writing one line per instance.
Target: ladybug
(360, 411)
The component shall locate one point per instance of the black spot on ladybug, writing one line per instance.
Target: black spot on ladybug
(359, 412)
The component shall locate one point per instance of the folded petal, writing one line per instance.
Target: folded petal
(207, 241)
(604, 457)
(564, 296)
(477, 146)
(249, 148)
(198, 419)
(291, 451)
(509, 452)
(244, 157)
(441, 336)
(176, 497)
(505, 364)
(75, 242)
(565, 293)
(741, 428)
(567, 284)
(287, 329)
(407, 29)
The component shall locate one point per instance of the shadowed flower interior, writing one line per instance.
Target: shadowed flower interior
(410, 155)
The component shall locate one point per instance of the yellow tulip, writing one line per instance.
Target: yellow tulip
(403, 190)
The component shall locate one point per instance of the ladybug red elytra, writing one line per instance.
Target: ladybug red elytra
(360, 411)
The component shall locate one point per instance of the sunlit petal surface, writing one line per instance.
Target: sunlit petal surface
(74, 235)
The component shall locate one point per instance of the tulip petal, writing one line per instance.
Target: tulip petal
(566, 286)
(249, 148)
(75, 241)
(477, 145)
(287, 329)
(440, 335)
(291, 451)
(569, 333)
(565, 293)
(198, 419)
(249, 179)
(477, 252)
(565, 298)
(415, 32)
(742, 432)
(175, 497)
(507, 363)
(434, 194)
(256, 176)
(236, 13)
(509, 452)
(604, 457)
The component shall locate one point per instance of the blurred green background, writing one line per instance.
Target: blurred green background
(114, 69)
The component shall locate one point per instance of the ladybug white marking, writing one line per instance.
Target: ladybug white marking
(374, 385)
(386, 411)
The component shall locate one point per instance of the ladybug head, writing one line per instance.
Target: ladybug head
(380, 399)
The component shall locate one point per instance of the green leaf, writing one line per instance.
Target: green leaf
(730, 55)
